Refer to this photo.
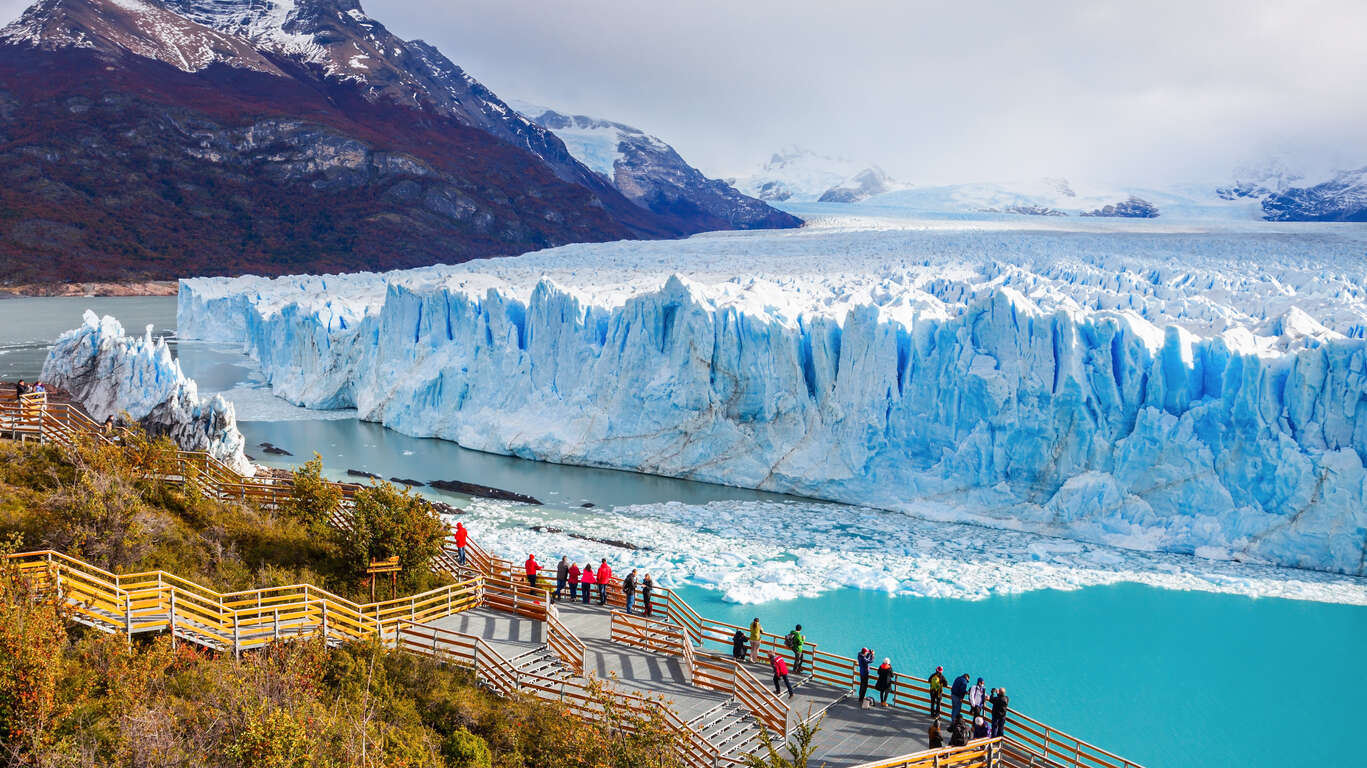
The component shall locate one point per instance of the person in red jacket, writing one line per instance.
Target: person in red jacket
(603, 577)
(573, 580)
(532, 568)
(462, 536)
(780, 668)
(586, 580)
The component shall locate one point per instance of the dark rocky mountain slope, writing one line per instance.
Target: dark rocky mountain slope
(152, 140)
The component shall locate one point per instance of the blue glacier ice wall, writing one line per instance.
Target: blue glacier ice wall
(1094, 425)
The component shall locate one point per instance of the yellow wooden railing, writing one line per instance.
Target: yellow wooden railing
(157, 601)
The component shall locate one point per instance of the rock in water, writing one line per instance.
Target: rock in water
(109, 372)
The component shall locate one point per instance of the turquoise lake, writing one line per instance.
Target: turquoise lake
(1164, 677)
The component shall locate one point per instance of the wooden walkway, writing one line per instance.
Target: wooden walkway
(517, 642)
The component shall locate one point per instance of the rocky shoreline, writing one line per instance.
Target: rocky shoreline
(131, 288)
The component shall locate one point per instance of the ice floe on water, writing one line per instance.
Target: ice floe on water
(758, 551)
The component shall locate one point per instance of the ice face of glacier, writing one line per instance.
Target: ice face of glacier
(1162, 390)
(109, 373)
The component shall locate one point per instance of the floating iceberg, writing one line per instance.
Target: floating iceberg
(110, 373)
(1150, 388)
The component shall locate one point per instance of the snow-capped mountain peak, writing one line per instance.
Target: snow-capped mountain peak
(797, 174)
(650, 173)
(861, 186)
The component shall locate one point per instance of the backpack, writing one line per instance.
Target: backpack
(790, 640)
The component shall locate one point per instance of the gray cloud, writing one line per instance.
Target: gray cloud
(936, 91)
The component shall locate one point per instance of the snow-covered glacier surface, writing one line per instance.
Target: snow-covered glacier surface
(1151, 385)
(109, 372)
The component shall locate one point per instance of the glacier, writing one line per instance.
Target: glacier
(109, 373)
(1155, 386)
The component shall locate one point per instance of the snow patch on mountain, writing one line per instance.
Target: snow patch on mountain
(110, 373)
(861, 186)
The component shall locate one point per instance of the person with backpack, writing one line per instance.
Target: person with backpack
(738, 645)
(562, 574)
(603, 576)
(531, 568)
(780, 668)
(937, 690)
(647, 587)
(884, 684)
(865, 658)
(629, 589)
(797, 643)
(586, 581)
(957, 692)
(572, 581)
(936, 740)
(462, 538)
(960, 733)
(977, 697)
(1000, 702)
(756, 634)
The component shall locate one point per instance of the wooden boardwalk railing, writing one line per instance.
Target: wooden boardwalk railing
(157, 601)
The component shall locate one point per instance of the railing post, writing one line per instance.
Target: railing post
(237, 638)
(128, 617)
(325, 622)
(171, 617)
(276, 611)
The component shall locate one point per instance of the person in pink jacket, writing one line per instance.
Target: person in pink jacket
(603, 577)
(586, 581)
(780, 673)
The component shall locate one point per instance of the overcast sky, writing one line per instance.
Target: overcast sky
(935, 91)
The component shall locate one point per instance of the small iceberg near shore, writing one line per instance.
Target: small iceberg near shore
(109, 372)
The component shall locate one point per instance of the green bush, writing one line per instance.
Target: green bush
(463, 749)
(313, 499)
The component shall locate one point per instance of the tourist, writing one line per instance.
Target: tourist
(960, 733)
(865, 658)
(756, 634)
(1000, 702)
(603, 576)
(956, 697)
(980, 728)
(586, 581)
(780, 668)
(38, 387)
(884, 684)
(20, 389)
(977, 697)
(738, 645)
(937, 690)
(629, 589)
(936, 740)
(531, 567)
(109, 426)
(572, 581)
(562, 575)
(647, 587)
(797, 643)
(462, 537)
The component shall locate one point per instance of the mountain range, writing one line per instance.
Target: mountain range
(147, 139)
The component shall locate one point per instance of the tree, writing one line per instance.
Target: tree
(388, 522)
(32, 641)
(799, 749)
(313, 498)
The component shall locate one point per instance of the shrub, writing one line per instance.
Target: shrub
(271, 738)
(463, 749)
